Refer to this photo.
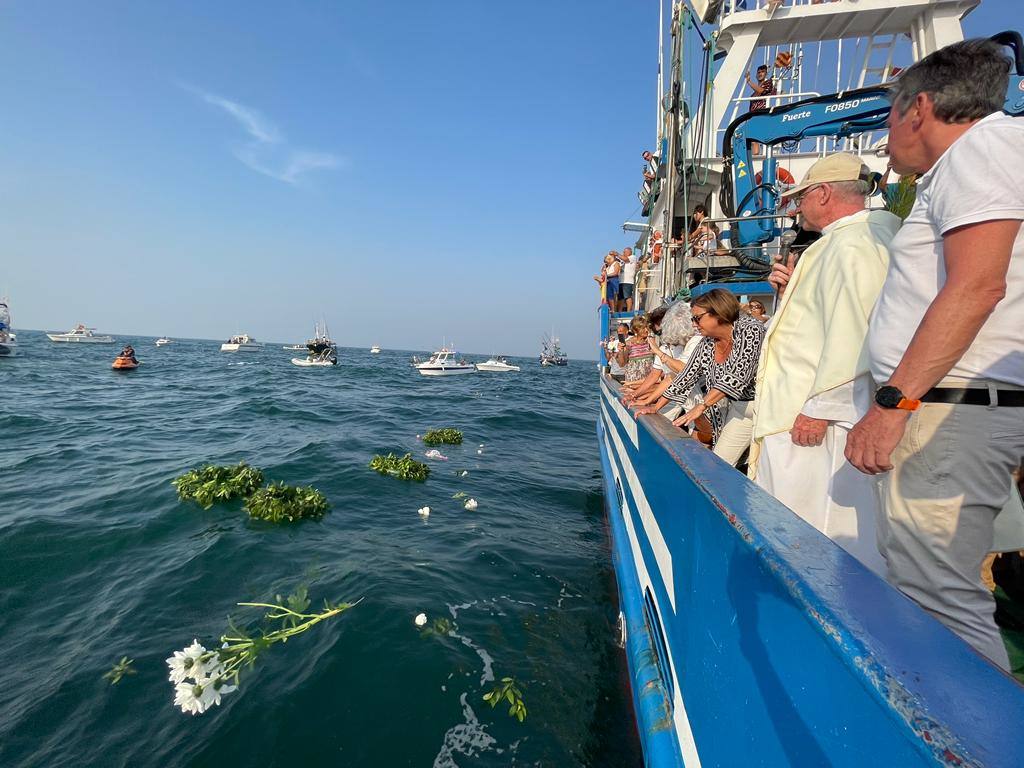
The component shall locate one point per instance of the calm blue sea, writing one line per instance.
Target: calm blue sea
(99, 560)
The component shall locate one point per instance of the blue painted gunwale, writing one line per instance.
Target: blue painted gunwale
(784, 650)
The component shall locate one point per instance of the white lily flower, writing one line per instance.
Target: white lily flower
(420, 619)
(425, 511)
(433, 453)
(187, 663)
(471, 504)
(217, 687)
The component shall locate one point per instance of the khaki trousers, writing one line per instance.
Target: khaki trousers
(950, 479)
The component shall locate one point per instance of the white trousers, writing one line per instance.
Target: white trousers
(736, 432)
(820, 486)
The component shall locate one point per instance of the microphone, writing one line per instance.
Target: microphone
(786, 242)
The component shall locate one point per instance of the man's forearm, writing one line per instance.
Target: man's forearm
(945, 333)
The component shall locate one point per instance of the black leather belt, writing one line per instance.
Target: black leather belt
(1012, 398)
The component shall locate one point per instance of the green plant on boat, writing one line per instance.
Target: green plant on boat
(278, 503)
(211, 484)
(508, 690)
(446, 436)
(203, 677)
(402, 467)
(119, 670)
(899, 198)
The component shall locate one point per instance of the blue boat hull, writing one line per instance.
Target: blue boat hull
(753, 640)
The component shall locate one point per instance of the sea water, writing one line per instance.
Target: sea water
(100, 560)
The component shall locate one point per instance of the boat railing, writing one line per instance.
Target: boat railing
(765, 638)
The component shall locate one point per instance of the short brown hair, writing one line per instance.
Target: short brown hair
(721, 303)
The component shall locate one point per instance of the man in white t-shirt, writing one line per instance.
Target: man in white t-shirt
(626, 279)
(946, 338)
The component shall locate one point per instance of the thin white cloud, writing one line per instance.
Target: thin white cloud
(267, 151)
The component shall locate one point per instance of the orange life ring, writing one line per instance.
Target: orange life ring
(782, 176)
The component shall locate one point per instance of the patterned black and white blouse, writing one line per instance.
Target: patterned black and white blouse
(734, 378)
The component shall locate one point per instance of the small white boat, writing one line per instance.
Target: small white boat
(294, 347)
(241, 343)
(374, 350)
(314, 362)
(81, 335)
(8, 344)
(163, 341)
(497, 363)
(444, 362)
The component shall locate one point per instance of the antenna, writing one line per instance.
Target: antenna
(661, 59)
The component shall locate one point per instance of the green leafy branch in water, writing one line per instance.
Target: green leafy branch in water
(212, 484)
(508, 690)
(446, 436)
(279, 502)
(202, 677)
(404, 467)
(441, 626)
(119, 670)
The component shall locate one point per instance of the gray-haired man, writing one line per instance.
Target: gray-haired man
(945, 342)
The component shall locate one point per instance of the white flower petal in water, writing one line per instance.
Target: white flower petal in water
(463, 473)
(433, 453)
(471, 504)
(215, 689)
(186, 663)
(479, 451)
(193, 698)
(420, 620)
(424, 511)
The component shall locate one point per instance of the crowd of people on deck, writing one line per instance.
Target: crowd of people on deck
(883, 399)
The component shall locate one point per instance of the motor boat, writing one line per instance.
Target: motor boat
(323, 352)
(81, 335)
(551, 352)
(241, 343)
(375, 350)
(294, 347)
(8, 343)
(496, 363)
(444, 362)
(163, 341)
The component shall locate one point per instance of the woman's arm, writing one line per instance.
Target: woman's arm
(685, 381)
(741, 366)
(622, 355)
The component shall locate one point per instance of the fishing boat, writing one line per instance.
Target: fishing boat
(241, 343)
(750, 637)
(323, 352)
(8, 340)
(80, 335)
(294, 347)
(163, 341)
(496, 363)
(444, 362)
(374, 350)
(551, 352)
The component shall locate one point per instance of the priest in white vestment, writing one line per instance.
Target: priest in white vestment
(814, 360)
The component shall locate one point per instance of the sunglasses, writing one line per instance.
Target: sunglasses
(695, 319)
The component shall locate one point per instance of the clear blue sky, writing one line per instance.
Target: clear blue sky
(410, 171)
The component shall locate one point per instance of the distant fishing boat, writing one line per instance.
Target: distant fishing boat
(163, 341)
(323, 351)
(8, 345)
(80, 335)
(551, 351)
(374, 350)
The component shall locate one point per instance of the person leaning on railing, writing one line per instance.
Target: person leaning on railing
(677, 342)
(724, 365)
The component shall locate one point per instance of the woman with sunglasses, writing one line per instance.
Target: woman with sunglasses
(723, 365)
(757, 311)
